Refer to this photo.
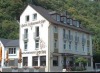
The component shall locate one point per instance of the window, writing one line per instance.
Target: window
(65, 20)
(37, 31)
(68, 21)
(25, 33)
(55, 61)
(83, 46)
(76, 46)
(11, 62)
(78, 24)
(35, 61)
(34, 16)
(25, 61)
(37, 43)
(12, 50)
(64, 44)
(25, 45)
(69, 44)
(27, 18)
(71, 22)
(55, 29)
(58, 17)
(42, 60)
(64, 33)
(55, 44)
(89, 61)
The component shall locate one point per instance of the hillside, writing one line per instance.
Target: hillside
(88, 12)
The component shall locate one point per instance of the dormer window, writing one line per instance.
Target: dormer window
(74, 23)
(71, 22)
(68, 21)
(78, 25)
(65, 20)
(58, 17)
(27, 18)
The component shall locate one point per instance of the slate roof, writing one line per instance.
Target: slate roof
(9, 42)
(46, 15)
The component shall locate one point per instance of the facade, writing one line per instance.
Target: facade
(52, 40)
(12, 47)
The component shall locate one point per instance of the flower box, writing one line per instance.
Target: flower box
(14, 67)
(36, 67)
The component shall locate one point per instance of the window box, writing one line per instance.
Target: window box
(36, 67)
(25, 67)
(14, 67)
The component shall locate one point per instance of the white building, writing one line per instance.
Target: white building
(13, 52)
(51, 40)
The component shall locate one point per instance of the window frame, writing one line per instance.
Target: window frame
(12, 50)
(37, 42)
(56, 60)
(25, 45)
(34, 16)
(36, 59)
(42, 61)
(27, 18)
(25, 60)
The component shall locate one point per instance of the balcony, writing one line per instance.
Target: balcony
(55, 50)
(70, 38)
(25, 37)
(35, 36)
(55, 35)
(76, 39)
(65, 37)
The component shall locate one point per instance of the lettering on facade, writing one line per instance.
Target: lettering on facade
(35, 52)
(33, 23)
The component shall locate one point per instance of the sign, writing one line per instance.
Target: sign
(35, 52)
(33, 23)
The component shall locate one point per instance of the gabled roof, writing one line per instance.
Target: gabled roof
(46, 14)
(9, 42)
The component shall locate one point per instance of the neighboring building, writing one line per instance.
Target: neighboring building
(13, 48)
(51, 40)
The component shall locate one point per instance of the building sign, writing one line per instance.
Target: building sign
(33, 23)
(35, 52)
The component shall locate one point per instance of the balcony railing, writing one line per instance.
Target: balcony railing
(25, 37)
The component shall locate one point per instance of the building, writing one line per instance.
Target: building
(52, 40)
(12, 48)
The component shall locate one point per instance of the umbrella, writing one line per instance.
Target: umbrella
(20, 56)
(0, 54)
(7, 58)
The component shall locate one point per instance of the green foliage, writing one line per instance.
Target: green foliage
(88, 12)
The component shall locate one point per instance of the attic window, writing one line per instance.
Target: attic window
(58, 17)
(78, 25)
(64, 19)
(68, 21)
(34, 16)
(27, 18)
(71, 21)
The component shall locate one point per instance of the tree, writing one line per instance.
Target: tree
(82, 61)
